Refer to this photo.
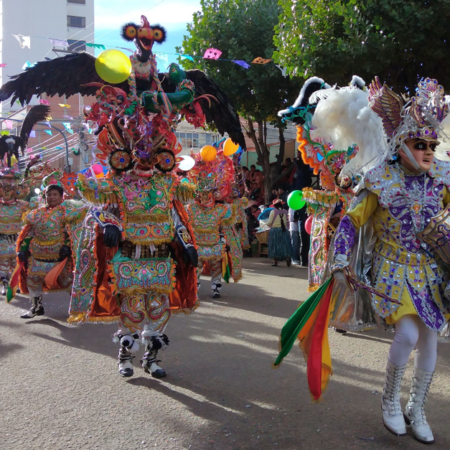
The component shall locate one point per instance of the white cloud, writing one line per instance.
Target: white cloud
(114, 13)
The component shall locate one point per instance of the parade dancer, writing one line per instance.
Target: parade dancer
(44, 250)
(11, 212)
(211, 218)
(403, 199)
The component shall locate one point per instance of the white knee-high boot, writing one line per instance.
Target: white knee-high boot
(393, 418)
(414, 411)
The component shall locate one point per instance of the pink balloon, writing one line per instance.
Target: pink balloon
(97, 169)
(308, 224)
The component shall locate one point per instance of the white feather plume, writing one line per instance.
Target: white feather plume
(343, 118)
(443, 149)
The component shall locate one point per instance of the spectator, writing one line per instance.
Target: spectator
(245, 171)
(279, 238)
(252, 224)
(286, 172)
(305, 240)
(282, 193)
(295, 236)
(302, 176)
(265, 213)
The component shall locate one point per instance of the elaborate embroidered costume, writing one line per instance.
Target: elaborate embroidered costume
(136, 219)
(395, 236)
(325, 206)
(44, 249)
(11, 212)
(211, 218)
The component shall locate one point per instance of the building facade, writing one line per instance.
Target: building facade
(34, 22)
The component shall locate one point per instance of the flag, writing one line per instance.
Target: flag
(59, 42)
(24, 41)
(309, 324)
(32, 133)
(3, 65)
(49, 132)
(67, 125)
(244, 64)
(260, 60)
(8, 124)
(100, 46)
(64, 105)
(212, 53)
(163, 57)
(187, 57)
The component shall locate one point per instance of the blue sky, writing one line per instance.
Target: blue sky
(173, 15)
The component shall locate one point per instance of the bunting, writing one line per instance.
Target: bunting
(24, 41)
(100, 46)
(59, 42)
(212, 53)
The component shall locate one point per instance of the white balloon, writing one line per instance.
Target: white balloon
(187, 164)
(37, 191)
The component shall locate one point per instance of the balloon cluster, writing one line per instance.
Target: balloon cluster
(208, 153)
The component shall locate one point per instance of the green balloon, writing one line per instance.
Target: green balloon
(185, 180)
(295, 200)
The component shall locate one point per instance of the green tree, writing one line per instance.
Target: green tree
(244, 30)
(400, 41)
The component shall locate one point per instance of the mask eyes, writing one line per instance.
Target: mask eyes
(423, 146)
(159, 34)
(129, 31)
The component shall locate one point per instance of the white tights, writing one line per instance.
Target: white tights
(410, 332)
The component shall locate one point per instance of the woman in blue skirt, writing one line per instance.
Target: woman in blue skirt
(279, 238)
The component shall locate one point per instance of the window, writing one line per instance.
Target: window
(76, 22)
(76, 46)
(78, 2)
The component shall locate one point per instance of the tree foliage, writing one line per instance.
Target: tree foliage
(243, 30)
(400, 41)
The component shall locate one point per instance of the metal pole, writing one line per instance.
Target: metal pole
(65, 141)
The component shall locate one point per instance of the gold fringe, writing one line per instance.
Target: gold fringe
(77, 318)
(237, 279)
(186, 311)
(185, 192)
(145, 218)
(150, 241)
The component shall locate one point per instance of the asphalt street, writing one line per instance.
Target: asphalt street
(60, 388)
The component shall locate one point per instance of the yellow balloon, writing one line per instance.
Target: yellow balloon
(208, 153)
(113, 66)
(230, 148)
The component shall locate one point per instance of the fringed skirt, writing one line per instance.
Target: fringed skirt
(280, 244)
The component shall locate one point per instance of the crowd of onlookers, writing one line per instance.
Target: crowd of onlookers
(288, 239)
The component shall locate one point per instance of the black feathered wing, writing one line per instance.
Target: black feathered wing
(221, 113)
(36, 114)
(63, 76)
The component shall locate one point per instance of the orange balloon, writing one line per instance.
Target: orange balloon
(208, 153)
(230, 148)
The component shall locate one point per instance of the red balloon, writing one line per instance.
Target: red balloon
(308, 224)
